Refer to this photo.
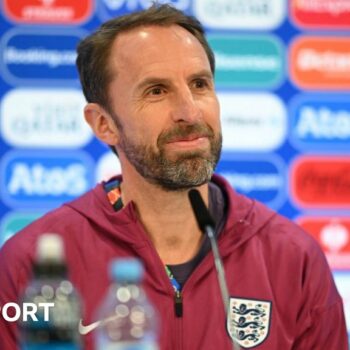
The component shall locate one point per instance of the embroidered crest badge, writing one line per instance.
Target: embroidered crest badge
(248, 321)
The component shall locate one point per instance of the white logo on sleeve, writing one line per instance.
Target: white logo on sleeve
(83, 330)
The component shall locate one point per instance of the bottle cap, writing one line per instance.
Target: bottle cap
(50, 248)
(127, 270)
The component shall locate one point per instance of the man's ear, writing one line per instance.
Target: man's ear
(101, 123)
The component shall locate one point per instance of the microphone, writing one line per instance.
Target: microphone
(207, 225)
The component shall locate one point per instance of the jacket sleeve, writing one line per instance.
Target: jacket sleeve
(326, 331)
(321, 322)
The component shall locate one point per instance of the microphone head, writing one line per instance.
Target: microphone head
(200, 210)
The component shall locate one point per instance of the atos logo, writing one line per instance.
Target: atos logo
(320, 62)
(44, 180)
(261, 178)
(112, 8)
(321, 182)
(33, 57)
(48, 11)
(14, 222)
(333, 234)
(247, 61)
(238, 14)
(321, 122)
(262, 128)
(44, 118)
(327, 14)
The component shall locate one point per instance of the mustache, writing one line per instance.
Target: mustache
(184, 131)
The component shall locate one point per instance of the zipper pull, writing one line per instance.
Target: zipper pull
(178, 304)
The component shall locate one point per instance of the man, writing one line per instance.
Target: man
(148, 80)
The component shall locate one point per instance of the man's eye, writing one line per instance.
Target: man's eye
(200, 83)
(156, 91)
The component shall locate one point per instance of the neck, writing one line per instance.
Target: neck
(167, 217)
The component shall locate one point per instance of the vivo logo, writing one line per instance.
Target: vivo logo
(44, 118)
(259, 129)
(36, 179)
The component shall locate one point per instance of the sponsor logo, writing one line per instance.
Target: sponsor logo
(83, 330)
(261, 178)
(27, 312)
(320, 122)
(32, 57)
(48, 11)
(259, 129)
(107, 166)
(240, 14)
(333, 234)
(38, 180)
(44, 118)
(332, 14)
(248, 61)
(14, 222)
(320, 62)
(112, 8)
(248, 321)
(342, 281)
(321, 182)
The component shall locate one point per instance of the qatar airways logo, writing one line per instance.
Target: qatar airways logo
(44, 118)
(12, 312)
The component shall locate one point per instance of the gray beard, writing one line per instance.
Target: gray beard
(185, 170)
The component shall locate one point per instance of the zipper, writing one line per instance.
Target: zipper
(178, 304)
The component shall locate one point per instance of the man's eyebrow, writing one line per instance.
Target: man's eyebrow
(150, 81)
(202, 74)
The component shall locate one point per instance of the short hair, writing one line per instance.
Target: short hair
(94, 50)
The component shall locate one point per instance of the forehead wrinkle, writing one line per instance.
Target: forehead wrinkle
(155, 45)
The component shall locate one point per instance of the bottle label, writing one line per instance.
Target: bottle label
(51, 346)
(132, 346)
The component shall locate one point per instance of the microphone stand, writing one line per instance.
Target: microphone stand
(206, 224)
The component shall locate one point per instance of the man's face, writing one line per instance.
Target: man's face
(165, 107)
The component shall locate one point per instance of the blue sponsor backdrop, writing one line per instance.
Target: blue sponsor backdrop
(41, 55)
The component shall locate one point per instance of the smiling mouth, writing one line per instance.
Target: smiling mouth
(188, 138)
(189, 142)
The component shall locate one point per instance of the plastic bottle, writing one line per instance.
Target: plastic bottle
(128, 320)
(58, 328)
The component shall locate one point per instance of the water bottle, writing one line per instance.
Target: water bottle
(54, 325)
(128, 320)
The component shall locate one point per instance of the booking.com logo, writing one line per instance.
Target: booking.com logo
(12, 312)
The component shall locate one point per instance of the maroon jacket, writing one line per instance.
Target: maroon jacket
(282, 294)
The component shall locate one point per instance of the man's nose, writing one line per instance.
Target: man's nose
(185, 107)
